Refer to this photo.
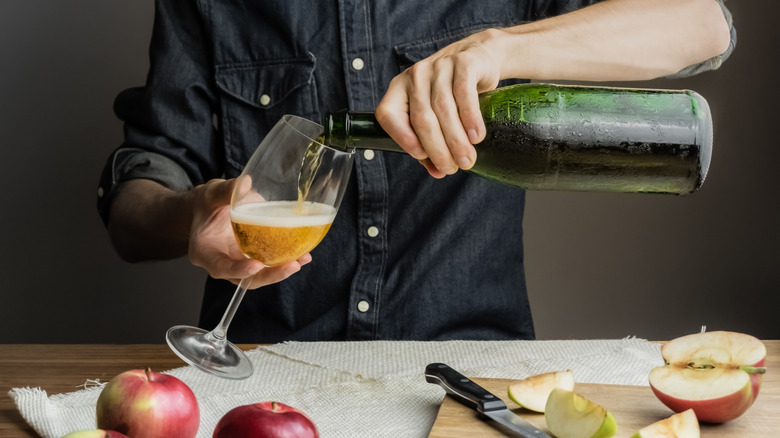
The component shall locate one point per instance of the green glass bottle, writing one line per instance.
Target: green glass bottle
(575, 138)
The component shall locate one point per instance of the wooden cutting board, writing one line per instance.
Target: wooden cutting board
(633, 407)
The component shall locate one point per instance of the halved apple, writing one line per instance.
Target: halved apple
(569, 415)
(717, 374)
(682, 425)
(532, 392)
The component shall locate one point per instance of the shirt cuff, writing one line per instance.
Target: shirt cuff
(126, 164)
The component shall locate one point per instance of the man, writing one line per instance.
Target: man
(409, 256)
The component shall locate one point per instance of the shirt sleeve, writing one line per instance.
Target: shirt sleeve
(716, 61)
(170, 136)
(128, 163)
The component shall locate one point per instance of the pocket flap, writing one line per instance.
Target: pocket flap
(265, 84)
(410, 53)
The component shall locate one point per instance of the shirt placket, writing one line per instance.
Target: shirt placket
(359, 70)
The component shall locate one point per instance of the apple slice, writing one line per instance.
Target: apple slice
(532, 392)
(569, 415)
(682, 425)
(717, 374)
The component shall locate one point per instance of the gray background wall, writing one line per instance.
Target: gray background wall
(599, 266)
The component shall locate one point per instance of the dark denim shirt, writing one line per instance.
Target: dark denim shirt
(408, 256)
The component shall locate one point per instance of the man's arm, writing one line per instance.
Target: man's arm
(150, 222)
(432, 108)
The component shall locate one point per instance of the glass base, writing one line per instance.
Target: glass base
(202, 350)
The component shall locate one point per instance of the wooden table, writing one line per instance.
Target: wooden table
(66, 368)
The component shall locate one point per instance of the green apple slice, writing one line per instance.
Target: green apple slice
(569, 415)
(682, 425)
(532, 392)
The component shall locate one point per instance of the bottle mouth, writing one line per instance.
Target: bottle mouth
(313, 131)
(704, 134)
(331, 120)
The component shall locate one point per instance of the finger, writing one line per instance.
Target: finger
(466, 96)
(425, 120)
(227, 268)
(446, 109)
(305, 259)
(392, 113)
(243, 185)
(219, 191)
(271, 275)
(432, 170)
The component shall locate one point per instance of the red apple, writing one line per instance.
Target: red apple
(96, 433)
(265, 420)
(717, 374)
(152, 405)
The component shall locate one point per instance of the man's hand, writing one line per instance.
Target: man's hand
(432, 108)
(151, 222)
(213, 246)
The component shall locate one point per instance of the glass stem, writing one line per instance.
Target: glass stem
(219, 334)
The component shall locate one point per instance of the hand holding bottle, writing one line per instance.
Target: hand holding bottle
(432, 108)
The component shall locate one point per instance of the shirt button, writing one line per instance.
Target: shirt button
(358, 64)
(363, 306)
(368, 154)
(100, 192)
(265, 99)
(372, 231)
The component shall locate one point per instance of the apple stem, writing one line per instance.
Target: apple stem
(274, 406)
(752, 370)
(149, 373)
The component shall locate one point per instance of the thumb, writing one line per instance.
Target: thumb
(224, 190)
(217, 192)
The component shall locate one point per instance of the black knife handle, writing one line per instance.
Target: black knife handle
(462, 388)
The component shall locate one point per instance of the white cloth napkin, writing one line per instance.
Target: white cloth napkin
(362, 389)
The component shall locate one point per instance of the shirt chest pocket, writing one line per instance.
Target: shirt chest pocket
(410, 53)
(255, 96)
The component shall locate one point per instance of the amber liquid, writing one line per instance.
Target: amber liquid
(278, 232)
(312, 159)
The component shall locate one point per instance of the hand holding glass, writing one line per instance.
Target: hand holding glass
(283, 204)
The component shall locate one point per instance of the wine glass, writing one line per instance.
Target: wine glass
(283, 204)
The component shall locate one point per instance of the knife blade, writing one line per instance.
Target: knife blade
(462, 389)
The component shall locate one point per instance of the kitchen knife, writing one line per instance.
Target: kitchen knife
(474, 396)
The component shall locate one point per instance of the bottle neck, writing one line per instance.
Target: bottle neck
(357, 130)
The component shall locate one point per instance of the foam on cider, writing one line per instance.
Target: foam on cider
(283, 214)
(277, 232)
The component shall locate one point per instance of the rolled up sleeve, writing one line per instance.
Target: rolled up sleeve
(170, 134)
(126, 164)
(715, 62)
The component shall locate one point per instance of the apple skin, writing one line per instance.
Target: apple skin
(569, 415)
(713, 362)
(717, 410)
(265, 420)
(96, 433)
(152, 405)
